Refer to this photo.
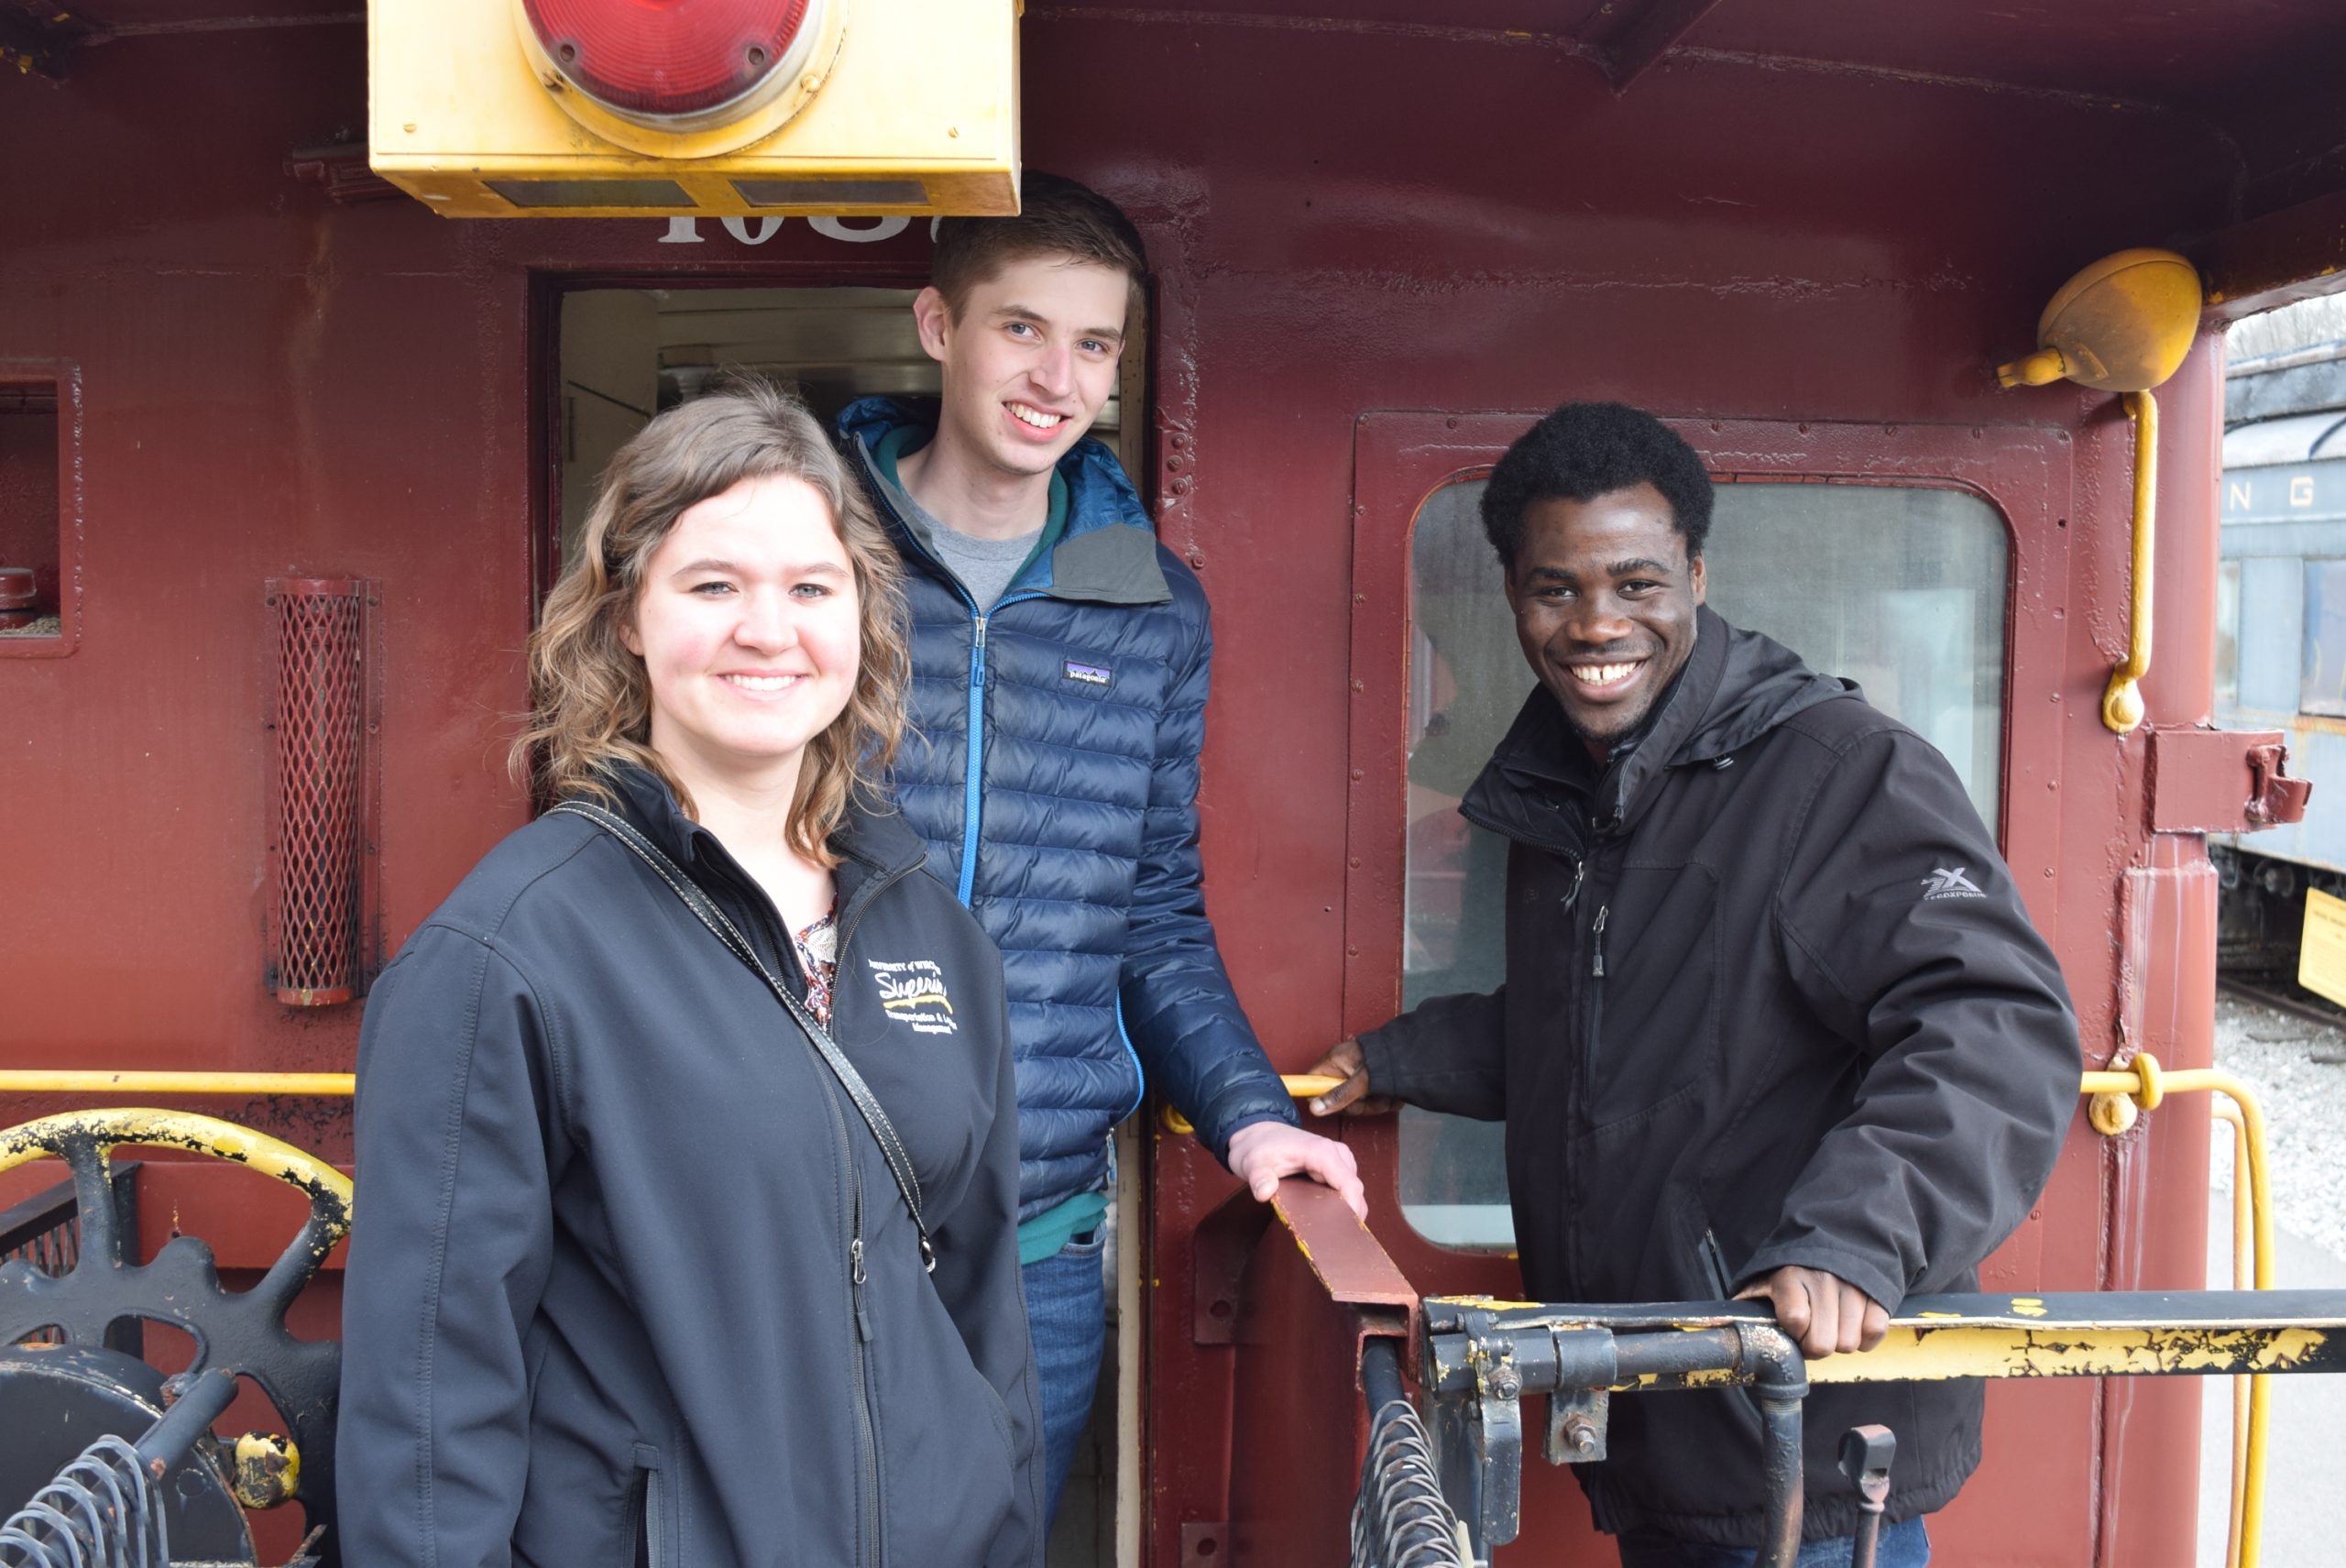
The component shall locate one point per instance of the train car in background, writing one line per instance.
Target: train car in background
(288, 459)
(2281, 618)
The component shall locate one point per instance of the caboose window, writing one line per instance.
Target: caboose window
(30, 514)
(2322, 689)
(1900, 589)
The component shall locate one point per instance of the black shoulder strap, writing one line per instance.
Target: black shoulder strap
(900, 1164)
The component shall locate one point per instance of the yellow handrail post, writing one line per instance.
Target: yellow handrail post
(2119, 1095)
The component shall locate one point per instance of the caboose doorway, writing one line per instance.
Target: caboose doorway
(623, 355)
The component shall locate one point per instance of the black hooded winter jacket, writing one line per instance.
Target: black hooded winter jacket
(1771, 998)
(600, 1309)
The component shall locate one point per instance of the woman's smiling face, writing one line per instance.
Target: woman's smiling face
(747, 623)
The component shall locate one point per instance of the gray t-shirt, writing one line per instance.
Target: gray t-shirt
(984, 565)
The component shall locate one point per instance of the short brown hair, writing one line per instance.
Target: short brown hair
(590, 699)
(1056, 217)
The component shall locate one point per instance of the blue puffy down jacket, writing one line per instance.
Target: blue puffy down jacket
(1073, 833)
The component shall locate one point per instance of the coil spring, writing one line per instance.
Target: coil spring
(100, 1512)
(1400, 1519)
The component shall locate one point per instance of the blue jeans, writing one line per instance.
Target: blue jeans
(1904, 1545)
(1067, 1315)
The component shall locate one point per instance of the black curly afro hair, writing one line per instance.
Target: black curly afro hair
(1584, 450)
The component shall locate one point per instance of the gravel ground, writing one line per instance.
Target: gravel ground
(2298, 1069)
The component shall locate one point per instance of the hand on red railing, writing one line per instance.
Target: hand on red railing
(1263, 1153)
(1352, 1097)
(1823, 1313)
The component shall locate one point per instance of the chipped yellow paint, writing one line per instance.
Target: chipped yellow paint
(1495, 1304)
(2029, 1306)
(1986, 1348)
(49, 1136)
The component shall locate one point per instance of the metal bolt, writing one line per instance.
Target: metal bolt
(1506, 1386)
(1580, 1435)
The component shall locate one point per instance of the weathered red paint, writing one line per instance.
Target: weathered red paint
(1838, 217)
(1316, 1288)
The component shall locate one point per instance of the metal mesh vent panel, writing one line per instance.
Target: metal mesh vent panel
(320, 795)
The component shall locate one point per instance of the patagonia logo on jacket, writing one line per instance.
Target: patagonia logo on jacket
(914, 993)
(1090, 675)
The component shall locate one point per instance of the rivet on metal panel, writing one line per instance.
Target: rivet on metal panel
(1201, 1541)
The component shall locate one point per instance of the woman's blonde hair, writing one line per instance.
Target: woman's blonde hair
(590, 699)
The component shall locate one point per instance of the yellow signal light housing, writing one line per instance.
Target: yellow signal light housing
(884, 107)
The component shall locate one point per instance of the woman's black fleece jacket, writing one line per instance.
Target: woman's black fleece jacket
(599, 1307)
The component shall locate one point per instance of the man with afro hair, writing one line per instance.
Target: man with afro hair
(1775, 1024)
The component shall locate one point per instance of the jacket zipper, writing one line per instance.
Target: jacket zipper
(973, 752)
(867, 1418)
(866, 1422)
(654, 1536)
(1593, 1011)
(1593, 1016)
(973, 758)
(972, 763)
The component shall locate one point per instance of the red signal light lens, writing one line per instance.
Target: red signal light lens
(668, 60)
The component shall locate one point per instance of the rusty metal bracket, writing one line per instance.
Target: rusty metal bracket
(2222, 781)
(2274, 798)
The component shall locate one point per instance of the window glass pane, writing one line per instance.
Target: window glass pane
(2228, 635)
(1900, 589)
(2323, 687)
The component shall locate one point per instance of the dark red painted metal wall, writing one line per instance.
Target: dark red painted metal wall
(1341, 222)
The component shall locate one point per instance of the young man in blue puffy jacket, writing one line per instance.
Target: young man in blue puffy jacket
(1060, 663)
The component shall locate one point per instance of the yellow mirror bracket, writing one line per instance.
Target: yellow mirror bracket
(2121, 700)
(2124, 324)
(2041, 369)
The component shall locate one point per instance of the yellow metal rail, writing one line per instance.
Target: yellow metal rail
(20, 1080)
(2119, 1097)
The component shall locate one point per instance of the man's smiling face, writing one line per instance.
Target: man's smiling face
(1604, 599)
(1030, 360)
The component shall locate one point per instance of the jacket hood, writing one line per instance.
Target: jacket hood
(875, 841)
(1108, 554)
(1735, 687)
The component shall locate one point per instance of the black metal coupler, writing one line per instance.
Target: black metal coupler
(1478, 1367)
(1482, 1356)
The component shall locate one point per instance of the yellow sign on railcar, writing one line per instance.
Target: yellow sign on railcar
(2321, 957)
(717, 108)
